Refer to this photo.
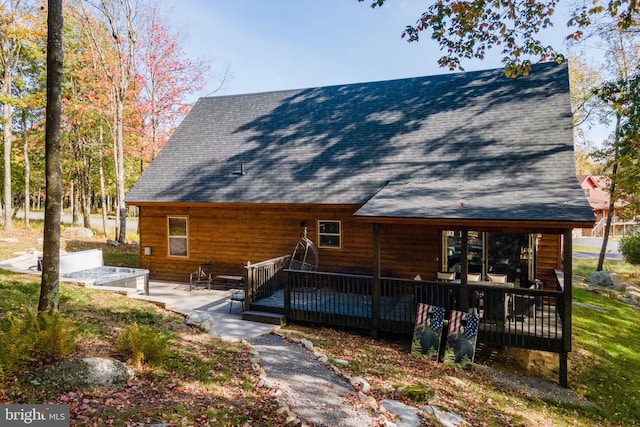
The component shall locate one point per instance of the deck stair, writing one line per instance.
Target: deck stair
(264, 317)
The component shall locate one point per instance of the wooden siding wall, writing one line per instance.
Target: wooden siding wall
(549, 259)
(230, 236)
(407, 250)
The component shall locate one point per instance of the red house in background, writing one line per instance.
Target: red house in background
(596, 189)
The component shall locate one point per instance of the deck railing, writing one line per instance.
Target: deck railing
(263, 278)
(328, 298)
(520, 317)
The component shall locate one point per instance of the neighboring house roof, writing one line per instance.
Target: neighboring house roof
(598, 186)
(343, 144)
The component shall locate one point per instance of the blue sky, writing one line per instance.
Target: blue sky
(291, 44)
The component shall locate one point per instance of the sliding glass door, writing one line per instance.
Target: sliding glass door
(496, 253)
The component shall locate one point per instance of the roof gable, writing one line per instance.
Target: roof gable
(342, 144)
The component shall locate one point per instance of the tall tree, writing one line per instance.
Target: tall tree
(14, 24)
(30, 94)
(118, 16)
(167, 77)
(620, 93)
(50, 286)
(588, 110)
(469, 28)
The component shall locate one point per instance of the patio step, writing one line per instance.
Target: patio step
(263, 317)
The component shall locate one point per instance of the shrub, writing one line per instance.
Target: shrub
(630, 249)
(55, 338)
(16, 346)
(33, 340)
(140, 344)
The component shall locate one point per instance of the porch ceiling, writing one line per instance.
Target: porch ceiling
(448, 199)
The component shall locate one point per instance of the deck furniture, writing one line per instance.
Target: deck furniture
(497, 278)
(237, 296)
(202, 276)
(474, 277)
(522, 306)
(230, 281)
(493, 306)
(445, 276)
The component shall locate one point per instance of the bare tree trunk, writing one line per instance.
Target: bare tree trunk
(7, 135)
(73, 200)
(85, 199)
(121, 215)
(103, 196)
(50, 285)
(27, 169)
(614, 171)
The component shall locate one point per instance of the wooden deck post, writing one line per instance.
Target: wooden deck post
(463, 304)
(376, 291)
(567, 296)
(248, 288)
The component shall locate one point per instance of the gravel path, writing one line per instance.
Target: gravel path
(316, 394)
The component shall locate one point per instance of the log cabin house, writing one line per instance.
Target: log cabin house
(394, 181)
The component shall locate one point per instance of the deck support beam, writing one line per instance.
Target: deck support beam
(567, 266)
(376, 291)
(463, 305)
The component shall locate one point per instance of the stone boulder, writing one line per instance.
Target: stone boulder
(601, 278)
(81, 373)
(200, 319)
(78, 232)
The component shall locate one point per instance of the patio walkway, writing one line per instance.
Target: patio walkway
(176, 297)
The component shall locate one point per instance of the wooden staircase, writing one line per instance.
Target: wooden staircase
(265, 317)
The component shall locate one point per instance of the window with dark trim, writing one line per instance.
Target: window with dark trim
(177, 227)
(330, 234)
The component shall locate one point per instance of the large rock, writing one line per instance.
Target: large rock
(78, 232)
(82, 373)
(405, 415)
(200, 319)
(601, 278)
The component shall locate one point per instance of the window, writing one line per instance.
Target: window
(178, 236)
(329, 234)
(587, 192)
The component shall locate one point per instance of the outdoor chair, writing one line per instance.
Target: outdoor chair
(203, 276)
(445, 276)
(236, 296)
(522, 306)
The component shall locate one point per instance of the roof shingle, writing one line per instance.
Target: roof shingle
(343, 144)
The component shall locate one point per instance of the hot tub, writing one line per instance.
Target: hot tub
(87, 267)
(123, 277)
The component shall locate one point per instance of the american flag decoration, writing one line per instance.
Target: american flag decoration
(471, 326)
(430, 315)
(464, 323)
(455, 322)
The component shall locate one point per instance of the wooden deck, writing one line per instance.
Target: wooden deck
(348, 300)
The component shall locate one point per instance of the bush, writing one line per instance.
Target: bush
(16, 346)
(55, 338)
(33, 341)
(140, 344)
(630, 249)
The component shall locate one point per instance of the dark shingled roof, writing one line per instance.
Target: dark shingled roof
(503, 147)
